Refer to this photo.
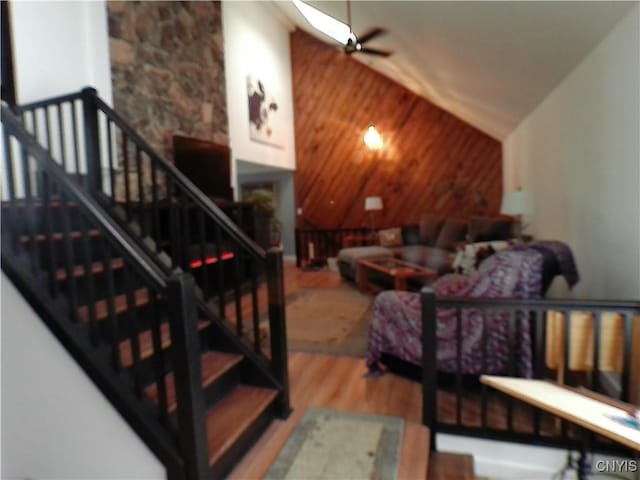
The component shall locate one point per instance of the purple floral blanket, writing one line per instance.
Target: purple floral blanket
(396, 327)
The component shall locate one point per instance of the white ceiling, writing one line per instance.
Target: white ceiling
(489, 63)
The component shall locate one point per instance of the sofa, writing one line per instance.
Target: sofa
(433, 243)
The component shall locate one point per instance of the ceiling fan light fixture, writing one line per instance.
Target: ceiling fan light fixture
(325, 23)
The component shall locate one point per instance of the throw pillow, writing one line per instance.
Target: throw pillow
(429, 228)
(452, 232)
(471, 255)
(390, 237)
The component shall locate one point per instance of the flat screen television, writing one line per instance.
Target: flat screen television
(206, 164)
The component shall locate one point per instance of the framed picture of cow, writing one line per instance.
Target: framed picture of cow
(265, 117)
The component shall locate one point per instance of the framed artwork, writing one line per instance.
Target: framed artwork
(265, 117)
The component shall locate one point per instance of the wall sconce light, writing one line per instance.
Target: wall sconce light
(372, 138)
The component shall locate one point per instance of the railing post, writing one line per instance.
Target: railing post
(185, 346)
(625, 376)
(298, 249)
(92, 139)
(429, 362)
(278, 326)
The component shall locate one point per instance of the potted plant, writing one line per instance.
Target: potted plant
(267, 226)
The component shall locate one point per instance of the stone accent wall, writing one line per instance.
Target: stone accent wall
(167, 66)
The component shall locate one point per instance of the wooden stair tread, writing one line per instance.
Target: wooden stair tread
(140, 297)
(96, 267)
(40, 237)
(214, 365)
(414, 451)
(451, 466)
(230, 417)
(146, 343)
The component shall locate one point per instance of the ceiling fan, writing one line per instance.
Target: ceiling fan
(340, 31)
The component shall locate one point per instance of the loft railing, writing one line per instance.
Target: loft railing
(79, 270)
(173, 221)
(315, 246)
(603, 362)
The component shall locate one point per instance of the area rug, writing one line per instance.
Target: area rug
(331, 321)
(327, 444)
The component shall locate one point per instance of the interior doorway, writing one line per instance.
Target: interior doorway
(280, 182)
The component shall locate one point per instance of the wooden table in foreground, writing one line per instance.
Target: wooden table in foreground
(570, 405)
(397, 269)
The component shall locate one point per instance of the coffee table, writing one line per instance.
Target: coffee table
(400, 271)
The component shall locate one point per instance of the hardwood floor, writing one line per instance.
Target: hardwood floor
(451, 466)
(339, 383)
(296, 278)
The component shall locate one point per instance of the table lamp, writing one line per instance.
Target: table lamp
(517, 203)
(372, 204)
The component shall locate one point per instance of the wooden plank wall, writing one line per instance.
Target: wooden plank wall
(431, 161)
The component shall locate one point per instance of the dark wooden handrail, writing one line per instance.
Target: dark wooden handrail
(517, 310)
(56, 314)
(85, 202)
(540, 304)
(198, 197)
(25, 107)
(181, 296)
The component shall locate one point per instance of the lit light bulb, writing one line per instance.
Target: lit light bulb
(372, 138)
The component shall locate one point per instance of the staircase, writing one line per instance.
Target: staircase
(149, 295)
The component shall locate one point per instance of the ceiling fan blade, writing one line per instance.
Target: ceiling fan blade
(375, 51)
(368, 35)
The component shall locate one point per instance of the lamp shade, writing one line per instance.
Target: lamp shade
(373, 203)
(517, 203)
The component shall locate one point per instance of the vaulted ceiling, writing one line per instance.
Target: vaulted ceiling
(489, 63)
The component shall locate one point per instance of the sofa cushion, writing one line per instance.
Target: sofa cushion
(411, 235)
(490, 228)
(429, 228)
(452, 232)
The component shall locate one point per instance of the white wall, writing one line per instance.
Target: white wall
(579, 153)
(60, 47)
(256, 42)
(55, 422)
